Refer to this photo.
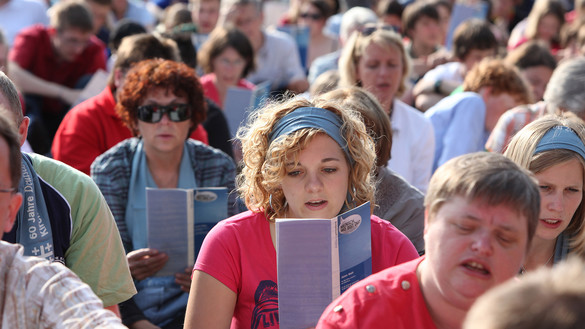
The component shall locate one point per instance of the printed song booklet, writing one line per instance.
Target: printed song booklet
(318, 259)
(179, 219)
(240, 102)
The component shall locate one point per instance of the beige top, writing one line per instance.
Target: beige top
(37, 294)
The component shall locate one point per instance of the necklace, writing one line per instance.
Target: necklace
(523, 269)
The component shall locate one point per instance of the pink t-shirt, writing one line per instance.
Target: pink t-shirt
(210, 90)
(239, 253)
(393, 300)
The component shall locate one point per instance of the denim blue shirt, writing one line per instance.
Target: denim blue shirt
(459, 123)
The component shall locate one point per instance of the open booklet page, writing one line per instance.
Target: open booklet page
(317, 260)
(240, 102)
(179, 219)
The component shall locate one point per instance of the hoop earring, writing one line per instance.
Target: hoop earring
(349, 200)
(270, 203)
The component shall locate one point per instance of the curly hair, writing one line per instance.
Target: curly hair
(175, 77)
(501, 76)
(259, 183)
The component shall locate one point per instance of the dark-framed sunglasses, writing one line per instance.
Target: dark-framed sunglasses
(153, 113)
(368, 30)
(314, 17)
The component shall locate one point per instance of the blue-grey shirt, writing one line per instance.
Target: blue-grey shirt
(459, 124)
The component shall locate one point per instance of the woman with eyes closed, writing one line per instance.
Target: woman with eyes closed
(553, 148)
(375, 59)
(301, 159)
(161, 101)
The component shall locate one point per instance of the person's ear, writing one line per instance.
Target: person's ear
(485, 92)
(118, 78)
(23, 130)
(14, 207)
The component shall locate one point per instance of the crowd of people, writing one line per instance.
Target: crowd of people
(460, 123)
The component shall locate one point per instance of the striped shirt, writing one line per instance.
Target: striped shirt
(112, 171)
(37, 294)
(510, 123)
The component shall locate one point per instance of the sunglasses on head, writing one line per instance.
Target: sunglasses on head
(368, 30)
(153, 113)
(311, 16)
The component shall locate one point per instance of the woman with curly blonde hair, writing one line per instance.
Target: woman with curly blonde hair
(301, 159)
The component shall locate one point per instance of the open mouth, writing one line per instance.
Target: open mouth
(551, 223)
(476, 268)
(315, 203)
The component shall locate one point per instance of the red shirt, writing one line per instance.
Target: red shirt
(91, 128)
(210, 90)
(239, 253)
(389, 299)
(33, 51)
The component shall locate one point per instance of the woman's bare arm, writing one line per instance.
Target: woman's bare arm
(211, 303)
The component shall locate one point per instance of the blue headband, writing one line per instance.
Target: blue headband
(561, 137)
(311, 117)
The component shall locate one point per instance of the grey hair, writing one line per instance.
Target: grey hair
(354, 19)
(9, 92)
(566, 85)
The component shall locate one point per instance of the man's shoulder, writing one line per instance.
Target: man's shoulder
(94, 108)
(372, 301)
(64, 178)
(20, 268)
(467, 100)
(37, 31)
(277, 38)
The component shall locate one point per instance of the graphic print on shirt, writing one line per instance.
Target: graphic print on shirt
(265, 313)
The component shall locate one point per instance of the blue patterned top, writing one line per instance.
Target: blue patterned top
(112, 170)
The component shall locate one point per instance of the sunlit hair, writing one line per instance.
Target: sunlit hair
(10, 135)
(501, 77)
(473, 34)
(565, 87)
(548, 298)
(532, 53)
(139, 47)
(172, 76)
(375, 118)
(222, 38)
(71, 14)
(265, 163)
(354, 50)
(540, 9)
(521, 150)
(486, 177)
(415, 11)
(8, 90)
(325, 82)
